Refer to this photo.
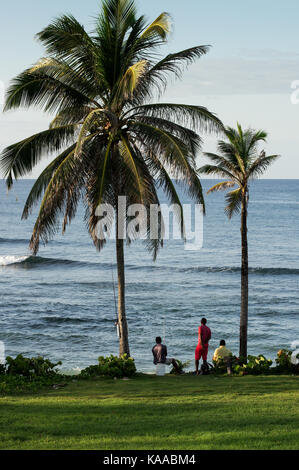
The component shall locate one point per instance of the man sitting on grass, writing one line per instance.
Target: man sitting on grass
(223, 354)
(160, 355)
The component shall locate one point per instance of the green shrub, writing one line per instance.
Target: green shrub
(111, 366)
(284, 364)
(24, 374)
(255, 365)
(28, 367)
(14, 384)
(90, 371)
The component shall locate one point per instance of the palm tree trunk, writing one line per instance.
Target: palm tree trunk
(122, 320)
(244, 280)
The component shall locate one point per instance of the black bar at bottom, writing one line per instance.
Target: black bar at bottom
(138, 459)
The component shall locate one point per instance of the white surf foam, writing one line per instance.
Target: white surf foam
(7, 260)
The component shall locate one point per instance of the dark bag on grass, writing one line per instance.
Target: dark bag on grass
(205, 369)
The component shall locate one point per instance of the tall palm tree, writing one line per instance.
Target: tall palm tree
(109, 139)
(239, 162)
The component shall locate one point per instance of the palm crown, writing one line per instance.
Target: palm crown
(109, 139)
(237, 162)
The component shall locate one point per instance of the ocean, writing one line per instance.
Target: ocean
(60, 304)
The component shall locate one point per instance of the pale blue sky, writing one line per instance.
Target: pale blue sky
(246, 76)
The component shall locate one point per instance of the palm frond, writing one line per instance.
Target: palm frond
(150, 198)
(113, 26)
(216, 171)
(255, 138)
(169, 148)
(191, 116)
(164, 180)
(128, 155)
(118, 15)
(234, 200)
(160, 27)
(261, 164)
(19, 159)
(157, 77)
(225, 162)
(62, 194)
(129, 81)
(67, 74)
(66, 39)
(45, 92)
(194, 188)
(221, 186)
(188, 136)
(99, 188)
(70, 116)
(43, 180)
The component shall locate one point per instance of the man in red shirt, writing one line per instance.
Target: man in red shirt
(204, 336)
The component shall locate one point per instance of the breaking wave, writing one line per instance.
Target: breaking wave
(30, 261)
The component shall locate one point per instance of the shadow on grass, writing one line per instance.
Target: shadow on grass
(168, 386)
(157, 413)
(213, 423)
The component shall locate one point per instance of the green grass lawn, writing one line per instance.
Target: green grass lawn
(149, 412)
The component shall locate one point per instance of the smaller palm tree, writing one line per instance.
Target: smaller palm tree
(239, 162)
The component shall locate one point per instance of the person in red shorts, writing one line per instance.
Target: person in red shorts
(204, 336)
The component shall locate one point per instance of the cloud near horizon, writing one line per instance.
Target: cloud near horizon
(251, 72)
(253, 87)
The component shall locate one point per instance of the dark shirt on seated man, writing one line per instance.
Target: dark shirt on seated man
(160, 355)
(159, 352)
